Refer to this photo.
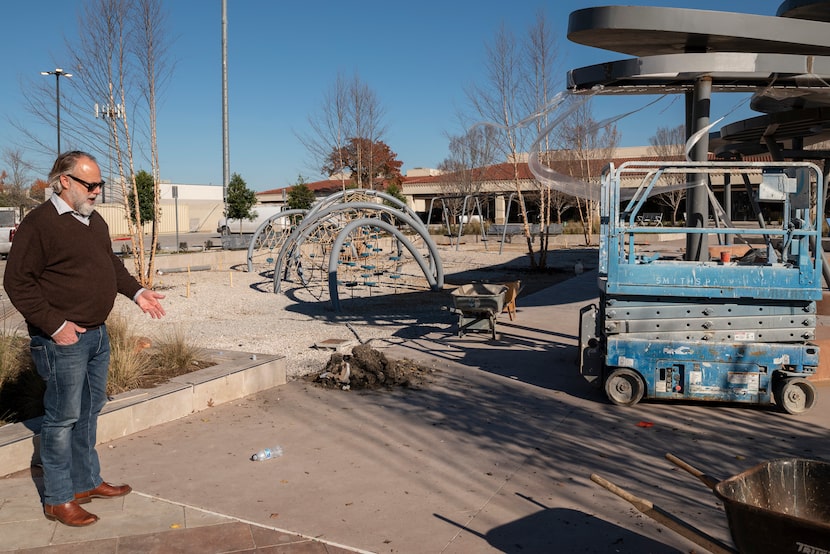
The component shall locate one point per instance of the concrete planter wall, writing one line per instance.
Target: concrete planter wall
(235, 375)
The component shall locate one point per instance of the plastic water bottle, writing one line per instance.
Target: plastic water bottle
(267, 454)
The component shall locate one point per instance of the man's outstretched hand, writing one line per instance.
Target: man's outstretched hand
(149, 303)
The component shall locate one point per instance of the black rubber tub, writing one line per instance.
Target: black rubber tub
(779, 506)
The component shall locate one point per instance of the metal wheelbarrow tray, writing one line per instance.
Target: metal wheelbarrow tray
(779, 506)
(477, 306)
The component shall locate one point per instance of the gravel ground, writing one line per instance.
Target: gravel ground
(237, 310)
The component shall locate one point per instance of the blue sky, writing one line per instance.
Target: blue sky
(418, 57)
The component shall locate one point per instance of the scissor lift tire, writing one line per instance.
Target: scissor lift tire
(794, 395)
(624, 387)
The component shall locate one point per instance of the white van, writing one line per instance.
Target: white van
(227, 226)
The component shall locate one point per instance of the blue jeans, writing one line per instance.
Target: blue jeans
(76, 383)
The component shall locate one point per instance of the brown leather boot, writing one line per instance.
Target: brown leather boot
(104, 490)
(69, 514)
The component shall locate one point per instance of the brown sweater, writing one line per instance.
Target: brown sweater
(60, 270)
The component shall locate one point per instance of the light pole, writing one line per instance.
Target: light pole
(110, 112)
(58, 73)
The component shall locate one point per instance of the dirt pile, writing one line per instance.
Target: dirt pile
(367, 368)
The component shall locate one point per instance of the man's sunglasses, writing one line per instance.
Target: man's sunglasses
(89, 186)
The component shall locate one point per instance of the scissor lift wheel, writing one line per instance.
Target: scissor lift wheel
(624, 387)
(794, 395)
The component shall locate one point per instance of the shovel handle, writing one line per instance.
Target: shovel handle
(665, 518)
(706, 479)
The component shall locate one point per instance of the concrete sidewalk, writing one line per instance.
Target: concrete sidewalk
(495, 456)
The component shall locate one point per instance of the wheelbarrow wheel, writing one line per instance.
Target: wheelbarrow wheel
(794, 395)
(624, 387)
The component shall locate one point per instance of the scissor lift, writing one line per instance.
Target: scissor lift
(736, 330)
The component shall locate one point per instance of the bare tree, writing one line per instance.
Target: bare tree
(540, 57)
(15, 180)
(366, 114)
(518, 85)
(668, 143)
(329, 130)
(121, 61)
(560, 203)
(587, 146)
(102, 57)
(349, 110)
(150, 52)
(470, 154)
(496, 101)
(117, 59)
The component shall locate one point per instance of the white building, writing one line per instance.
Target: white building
(191, 208)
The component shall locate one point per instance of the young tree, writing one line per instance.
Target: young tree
(145, 189)
(240, 200)
(150, 52)
(394, 190)
(518, 82)
(538, 69)
(369, 163)
(668, 143)
(300, 197)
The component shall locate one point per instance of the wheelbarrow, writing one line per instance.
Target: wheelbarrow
(477, 306)
(777, 507)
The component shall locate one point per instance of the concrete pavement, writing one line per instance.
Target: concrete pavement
(495, 456)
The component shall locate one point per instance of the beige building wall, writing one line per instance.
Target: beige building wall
(199, 209)
(194, 216)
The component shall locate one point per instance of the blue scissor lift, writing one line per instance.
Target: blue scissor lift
(712, 330)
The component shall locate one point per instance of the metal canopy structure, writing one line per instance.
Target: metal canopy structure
(729, 71)
(805, 9)
(784, 60)
(649, 31)
(807, 127)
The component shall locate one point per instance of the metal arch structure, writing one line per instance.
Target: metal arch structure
(266, 236)
(340, 198)
(335, 198)
(313, 221)
(436, 281)
(292, 246)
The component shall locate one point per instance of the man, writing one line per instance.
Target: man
(63, 277)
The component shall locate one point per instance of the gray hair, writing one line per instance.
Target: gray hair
(64, 165)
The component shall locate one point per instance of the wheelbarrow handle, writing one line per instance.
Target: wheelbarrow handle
(707, 480)
(665, 518)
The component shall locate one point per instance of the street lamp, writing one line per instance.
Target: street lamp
(58, 73)
(111, 112)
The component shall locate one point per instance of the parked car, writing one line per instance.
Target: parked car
(8, 226)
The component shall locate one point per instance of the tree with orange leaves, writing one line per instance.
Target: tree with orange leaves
(370, 163)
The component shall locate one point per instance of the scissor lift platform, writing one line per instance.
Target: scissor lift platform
(737, 330)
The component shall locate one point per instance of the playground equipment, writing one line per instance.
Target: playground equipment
(327, 252)
(715, 329)
(269, 238)
(465, 218)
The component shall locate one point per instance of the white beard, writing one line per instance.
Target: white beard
(84, 208)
